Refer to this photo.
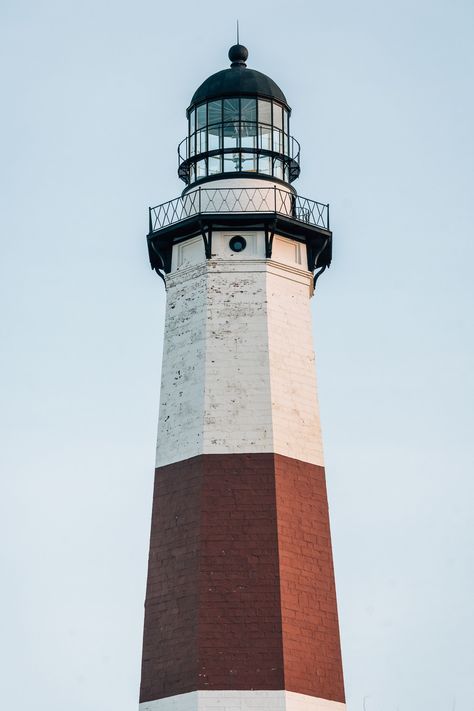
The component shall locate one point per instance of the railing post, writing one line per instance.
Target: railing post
(275, 198)
(327, 213)
(199, 203)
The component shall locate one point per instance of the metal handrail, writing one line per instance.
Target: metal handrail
(205, 201)
(292, 146)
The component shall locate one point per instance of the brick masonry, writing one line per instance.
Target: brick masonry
(240, 591)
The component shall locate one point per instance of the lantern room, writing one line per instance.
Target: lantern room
(238, 126)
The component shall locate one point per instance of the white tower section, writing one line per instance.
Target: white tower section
(238, 364)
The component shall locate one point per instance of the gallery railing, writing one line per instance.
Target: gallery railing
(205, 201)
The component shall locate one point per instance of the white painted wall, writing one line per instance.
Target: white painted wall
(242, 701)
(238, 367)
(295, 409)
(241, 183)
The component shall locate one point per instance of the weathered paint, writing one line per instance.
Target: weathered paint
(238, 364)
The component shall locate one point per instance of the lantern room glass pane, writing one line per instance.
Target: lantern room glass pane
(215, 164)
(264, 165)
(286, 121)
(192, 173)
(249, 162)
(201, 116)
(201, 143)
(231, 162)
(248, 109)
(214, 137)
(265, 137)
(231, 110)
(277, 115)
(201, 171)
(214, 114)
(248, 133)
(231, 135)
(278, 168)
(192, 121)
(264, 111)
(277, 141)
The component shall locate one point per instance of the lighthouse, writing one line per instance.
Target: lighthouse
(240, 611)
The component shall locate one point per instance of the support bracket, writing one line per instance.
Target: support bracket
(207, 239)
(314, 265)
(269, 235)
(160, 270)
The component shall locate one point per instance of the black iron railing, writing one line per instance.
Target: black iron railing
(273, 141)
(205, 201)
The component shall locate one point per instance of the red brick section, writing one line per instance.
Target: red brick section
(311, 646)
(212, 611)
(240, 590)
(240, 644)
(169, 660)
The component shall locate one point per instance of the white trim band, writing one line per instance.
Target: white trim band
(242, 701)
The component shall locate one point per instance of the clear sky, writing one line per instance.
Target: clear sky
(93, 101)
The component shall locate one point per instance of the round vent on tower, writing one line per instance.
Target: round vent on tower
(237, 243)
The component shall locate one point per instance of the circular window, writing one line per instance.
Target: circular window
(237, 243)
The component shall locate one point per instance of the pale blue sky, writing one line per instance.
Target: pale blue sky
(94, 95)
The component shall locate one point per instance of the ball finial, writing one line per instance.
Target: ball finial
(238, 55)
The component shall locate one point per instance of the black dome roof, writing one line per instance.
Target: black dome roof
(238, 81)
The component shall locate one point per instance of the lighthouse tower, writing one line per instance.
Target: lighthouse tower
(240, 611)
